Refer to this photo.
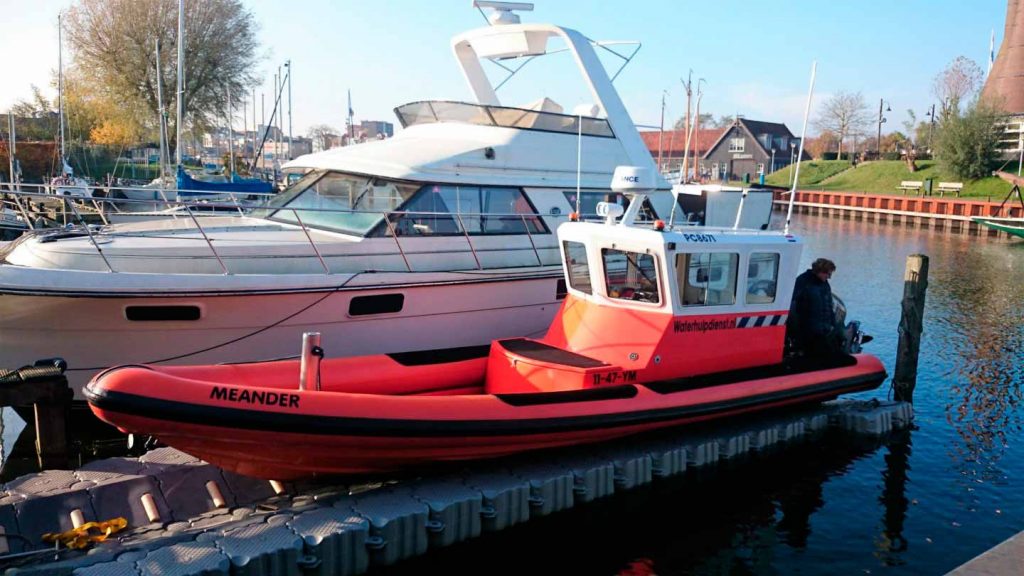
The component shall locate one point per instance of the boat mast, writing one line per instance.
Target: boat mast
(231, 139)
(181, 79)
(12, 150)
(288, 65)
(60, 89)
(162, 113)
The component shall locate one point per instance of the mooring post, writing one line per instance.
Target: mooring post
(915, 283)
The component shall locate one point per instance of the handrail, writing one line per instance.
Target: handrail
(468, 241)
(311, 243)
(394, 235)
(25, 200)
(530, 236)
(89, 232)
(207, 238)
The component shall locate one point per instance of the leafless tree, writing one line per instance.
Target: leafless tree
(961, 78)
(843, 114)
(114, 41)
(323, 134)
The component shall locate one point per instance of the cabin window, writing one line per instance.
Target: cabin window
(589, 201)
(337, 201)
(577, 266)
(376, 304)
(737, 144)
(707, 278)
(762, 277)
(477, 210)
(186, 313)
(630, 276)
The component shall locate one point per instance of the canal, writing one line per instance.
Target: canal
(919, 502)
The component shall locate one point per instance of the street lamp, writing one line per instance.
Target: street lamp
(881, 120)
(792, 158)
(931, 126)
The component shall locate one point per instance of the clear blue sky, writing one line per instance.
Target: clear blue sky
(754, 55)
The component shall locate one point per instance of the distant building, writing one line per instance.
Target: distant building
(670, 145)
(750, 148)
(371, 129)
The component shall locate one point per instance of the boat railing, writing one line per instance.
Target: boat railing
(437, 111)
(32, 206)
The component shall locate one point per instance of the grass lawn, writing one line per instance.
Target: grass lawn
(811, 172)
(882, 177)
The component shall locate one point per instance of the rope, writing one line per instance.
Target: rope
(78, 538)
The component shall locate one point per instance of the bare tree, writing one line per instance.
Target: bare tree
(844, 114)
(323, 134)
(114, 45)
(961, 78)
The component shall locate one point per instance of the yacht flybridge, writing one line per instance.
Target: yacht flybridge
(441, 237)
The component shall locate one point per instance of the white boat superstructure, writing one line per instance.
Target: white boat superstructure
(438, 238)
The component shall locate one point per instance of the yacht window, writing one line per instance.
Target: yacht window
(707, 278)
(481, 211)
(336, 201)
(762, 277)
(589, 201)
(630, 275)
(578, 267)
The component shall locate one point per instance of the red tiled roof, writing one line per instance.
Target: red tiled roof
(674, 141)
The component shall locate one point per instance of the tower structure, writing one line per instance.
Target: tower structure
(1005, 83)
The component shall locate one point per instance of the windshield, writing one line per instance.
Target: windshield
(336, 201)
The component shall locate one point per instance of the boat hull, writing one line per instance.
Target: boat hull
(277, 432)
(1012, 226)
(92, 333)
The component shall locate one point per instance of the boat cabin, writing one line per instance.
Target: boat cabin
(647, 305)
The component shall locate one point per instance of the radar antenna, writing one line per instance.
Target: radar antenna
(502, 12)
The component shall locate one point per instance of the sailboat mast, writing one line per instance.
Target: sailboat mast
(231, 138)
(160, 111)
(291, 155)
(60, 86)
(181, 79)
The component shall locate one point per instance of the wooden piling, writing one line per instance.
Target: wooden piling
(915, 284)
(45, 388)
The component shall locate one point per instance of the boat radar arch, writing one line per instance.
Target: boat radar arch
(511, 41)
(636, 182)
(503, 12)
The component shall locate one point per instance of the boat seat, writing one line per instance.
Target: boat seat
(522, 365)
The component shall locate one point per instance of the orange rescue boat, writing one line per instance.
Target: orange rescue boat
(659, 328)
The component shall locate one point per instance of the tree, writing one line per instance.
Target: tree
(843, 114)
(113, 42)
(966, 144)
(958, 82)
(323, 135)
(826, 141)
(706, 121)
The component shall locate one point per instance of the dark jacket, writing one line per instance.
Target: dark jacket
(810, 315)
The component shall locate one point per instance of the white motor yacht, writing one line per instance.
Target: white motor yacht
(439, 238)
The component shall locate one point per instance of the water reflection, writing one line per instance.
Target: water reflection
(891, 543)
(736, 518)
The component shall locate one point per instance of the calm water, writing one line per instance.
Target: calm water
(920, 502)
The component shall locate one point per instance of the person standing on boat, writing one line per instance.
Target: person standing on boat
(811, 327)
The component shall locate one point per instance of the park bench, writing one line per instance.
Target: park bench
(914, 185)
(955, 187)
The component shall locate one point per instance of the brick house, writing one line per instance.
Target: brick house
(672, 143)
(750, 148)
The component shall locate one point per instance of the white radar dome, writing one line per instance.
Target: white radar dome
(634, 179)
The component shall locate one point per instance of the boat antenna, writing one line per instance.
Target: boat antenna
(503, 11)
(800, 153)
(579, 161)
